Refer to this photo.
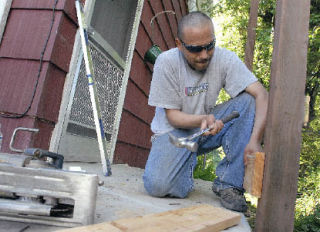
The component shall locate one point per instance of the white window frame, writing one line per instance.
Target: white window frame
(4, 12)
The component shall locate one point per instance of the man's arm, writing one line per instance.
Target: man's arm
(183, 120)
(261, 96)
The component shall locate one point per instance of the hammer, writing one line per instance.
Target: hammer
(186, 142)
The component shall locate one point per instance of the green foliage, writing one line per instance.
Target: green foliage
(310, 158)
(307, 216)
(313, 66)
(223, 96)
(232, 17)
(263, 47)
(231, 21)
(205, 168)
(251, 215)
(309, 223)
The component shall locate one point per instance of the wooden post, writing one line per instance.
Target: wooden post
(251, 31)
(286, 104)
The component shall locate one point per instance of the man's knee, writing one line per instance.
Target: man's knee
(157, 187)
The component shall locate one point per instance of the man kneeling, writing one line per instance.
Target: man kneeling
(185, 85)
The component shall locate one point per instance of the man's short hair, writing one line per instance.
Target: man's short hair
(193, 19)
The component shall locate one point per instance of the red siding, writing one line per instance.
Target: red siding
(66, 6)
(24, 37)
(162, 21)
(143, 42)
(177, 9)
(63, 44)
(183, 6)
(134, 131)
(25, 34)
(154, 34)
(17, 81)
(133, 144)
(140, 74)
(25, 139)
(136, 102)
(132, 155)
(17, 84)
(26, 31)
(172, 18)
(51, 94)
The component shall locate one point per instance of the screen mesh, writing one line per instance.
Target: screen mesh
(108, 77)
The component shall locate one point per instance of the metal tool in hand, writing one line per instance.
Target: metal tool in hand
(186, 142)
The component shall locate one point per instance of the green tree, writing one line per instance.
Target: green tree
(313, 67)
(231, 19)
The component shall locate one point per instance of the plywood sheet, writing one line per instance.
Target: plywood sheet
(204, 218)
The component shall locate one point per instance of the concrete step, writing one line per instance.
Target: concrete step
(123, 196)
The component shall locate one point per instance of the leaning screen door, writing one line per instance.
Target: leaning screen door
(112, 33)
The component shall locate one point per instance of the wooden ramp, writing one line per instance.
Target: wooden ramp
(202, 218)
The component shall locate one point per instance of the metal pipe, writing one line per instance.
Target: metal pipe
(24, 207)
(102, 142)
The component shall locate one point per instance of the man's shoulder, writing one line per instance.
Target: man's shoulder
(170, 55)
(220, 51)
(223, 56)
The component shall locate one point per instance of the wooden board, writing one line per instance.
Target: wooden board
(254, 174)
(202, 218)
(282, 139)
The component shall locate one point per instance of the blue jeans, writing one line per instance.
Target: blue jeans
(169, 170)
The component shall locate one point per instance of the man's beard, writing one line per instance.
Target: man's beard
(202, 61)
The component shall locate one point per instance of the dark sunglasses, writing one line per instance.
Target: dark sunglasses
(195, 49)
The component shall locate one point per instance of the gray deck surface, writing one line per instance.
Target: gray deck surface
(123, 195)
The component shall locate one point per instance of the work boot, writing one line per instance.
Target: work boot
(231, 198)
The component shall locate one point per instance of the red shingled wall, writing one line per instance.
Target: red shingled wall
(133, 143)
(24, 37)
(23, 40)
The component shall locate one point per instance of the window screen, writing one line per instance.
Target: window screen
(113, 20)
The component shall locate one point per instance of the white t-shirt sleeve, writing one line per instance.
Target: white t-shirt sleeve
(238, 76)
(164, 90)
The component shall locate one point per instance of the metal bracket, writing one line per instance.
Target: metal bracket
(14, 136)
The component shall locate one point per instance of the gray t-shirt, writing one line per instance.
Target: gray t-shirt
(177, 86)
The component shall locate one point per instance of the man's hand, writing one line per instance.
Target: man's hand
(180, 119)
(251, 148)
(210, 122)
